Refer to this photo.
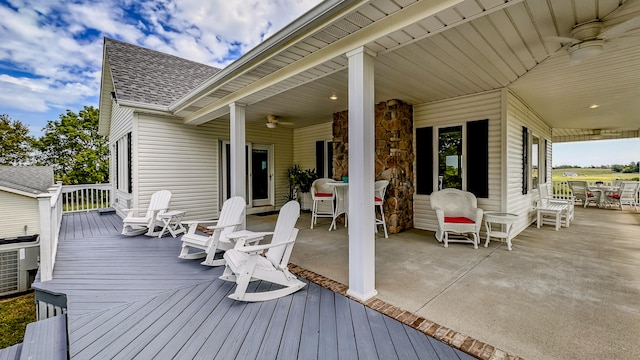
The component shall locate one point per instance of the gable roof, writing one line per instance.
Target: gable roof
(142, 75)
(26, 180)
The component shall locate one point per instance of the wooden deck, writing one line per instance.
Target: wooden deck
(132, 297)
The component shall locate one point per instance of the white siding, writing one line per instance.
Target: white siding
(519, 115)
(457, 112)
(121, 124)
(184, 159)
(304, 143)
(16, 212)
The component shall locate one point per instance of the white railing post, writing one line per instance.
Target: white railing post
(50, 211)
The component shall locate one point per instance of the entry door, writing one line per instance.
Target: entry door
(259, 166)
(261, 175)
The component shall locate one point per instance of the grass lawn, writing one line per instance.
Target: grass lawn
(15, 313)
(590, 174)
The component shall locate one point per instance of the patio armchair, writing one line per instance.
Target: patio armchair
(581, 191)
(458, 214)
(550, 210)
(626, 195)
(266, 262)
(139, 220)
(231, 216)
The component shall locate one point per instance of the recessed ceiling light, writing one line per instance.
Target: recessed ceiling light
(333, 96)
(594, 106)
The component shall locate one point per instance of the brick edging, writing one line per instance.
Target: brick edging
(450, 337)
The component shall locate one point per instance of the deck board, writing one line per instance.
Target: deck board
(133, 298)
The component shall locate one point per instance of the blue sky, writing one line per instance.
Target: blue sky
(51, 52)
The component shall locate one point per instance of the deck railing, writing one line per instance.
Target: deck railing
(561, 189)
(85, 197)
(50, 208)
(64, 199)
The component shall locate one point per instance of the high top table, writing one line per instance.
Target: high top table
(342, 202)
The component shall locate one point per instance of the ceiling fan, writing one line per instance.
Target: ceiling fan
(273, 121)
(597, 134)
(588, 38)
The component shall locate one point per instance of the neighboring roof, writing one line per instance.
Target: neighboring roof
(26, 179)
(146, 76)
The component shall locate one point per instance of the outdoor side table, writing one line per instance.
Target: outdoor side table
(172, 221)
(505, 220)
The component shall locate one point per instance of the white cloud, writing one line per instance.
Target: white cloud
(51, 52)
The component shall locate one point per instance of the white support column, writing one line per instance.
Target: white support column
(238, 145)
(361, 175)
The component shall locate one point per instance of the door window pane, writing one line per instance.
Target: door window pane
(450, 157)
(260, 174)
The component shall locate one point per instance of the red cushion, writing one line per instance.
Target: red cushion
(324, 194)
(458, 220)
(377, 199)
(615, 196)
(589, 195)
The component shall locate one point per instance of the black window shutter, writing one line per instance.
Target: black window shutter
(129, 164)
(330, 160)
(478, 158)
(424, 160)
(320, 158)
(118, 165)
(525, 160)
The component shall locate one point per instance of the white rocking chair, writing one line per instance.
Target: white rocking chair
(228, 222)
(246, 264)
(136, 224)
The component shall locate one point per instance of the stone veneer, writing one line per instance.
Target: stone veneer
(393, 161)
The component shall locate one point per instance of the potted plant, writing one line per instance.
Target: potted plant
(300, 181)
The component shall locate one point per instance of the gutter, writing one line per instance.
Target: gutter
(267, 48)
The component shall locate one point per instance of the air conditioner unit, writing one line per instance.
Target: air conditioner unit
(18, 263)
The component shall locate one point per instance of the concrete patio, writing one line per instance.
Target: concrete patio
(568, 294)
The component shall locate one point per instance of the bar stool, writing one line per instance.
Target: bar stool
(380, 188)
(322, 196)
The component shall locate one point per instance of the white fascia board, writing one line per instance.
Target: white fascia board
(264, 50)
(142, 106)
(388, 25)
(18, 192)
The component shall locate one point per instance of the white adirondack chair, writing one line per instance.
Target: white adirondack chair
(135, 223)
(228, 222)
(245, 263)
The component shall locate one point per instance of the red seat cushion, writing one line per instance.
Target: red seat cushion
(324, 194)
(377, 199)
(589, 195)
(615, 196)
(458, 220)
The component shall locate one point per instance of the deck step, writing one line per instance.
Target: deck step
(11, 353)
(46, 339)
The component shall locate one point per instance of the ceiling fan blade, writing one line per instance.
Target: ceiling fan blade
(561, 39)
(621, 28)
(285, 123)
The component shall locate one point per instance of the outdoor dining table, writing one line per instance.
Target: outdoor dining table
(604, 190)
(341, 190)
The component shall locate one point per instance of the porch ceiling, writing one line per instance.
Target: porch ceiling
(472, 47)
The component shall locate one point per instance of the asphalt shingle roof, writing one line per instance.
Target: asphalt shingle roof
(151, 77)
(30, 179)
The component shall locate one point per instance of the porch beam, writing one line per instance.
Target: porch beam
(387, 25)
(361, 175)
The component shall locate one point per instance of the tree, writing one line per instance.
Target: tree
(16, 146)
(75, 150)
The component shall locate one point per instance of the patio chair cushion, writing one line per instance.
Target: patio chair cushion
(590, 195)
(324, 194)
(377, 199)
(458, 220)
(615, 196)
